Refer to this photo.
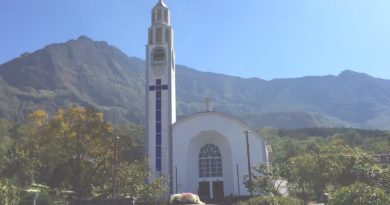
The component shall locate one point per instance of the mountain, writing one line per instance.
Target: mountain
(92, 74)
(95, 74)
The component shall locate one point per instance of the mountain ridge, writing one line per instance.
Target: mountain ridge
(96, 74)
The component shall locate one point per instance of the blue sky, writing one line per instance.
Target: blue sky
(249, 38)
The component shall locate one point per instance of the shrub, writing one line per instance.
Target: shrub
(43, 199)
(270, 200)
(359, 194)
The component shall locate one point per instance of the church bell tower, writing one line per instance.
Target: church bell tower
(160, 92)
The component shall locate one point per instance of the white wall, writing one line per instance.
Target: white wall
(226, 132)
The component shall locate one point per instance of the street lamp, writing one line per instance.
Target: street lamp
(103, 184)
(115, 163)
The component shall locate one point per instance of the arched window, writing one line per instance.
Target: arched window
(159, 57)
(210, 161)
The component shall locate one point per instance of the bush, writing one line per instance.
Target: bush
(359, 194)
(43, 199)
(270, 200)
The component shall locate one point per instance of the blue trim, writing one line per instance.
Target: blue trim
(158, 138)
(158, 164)
(158, 87)
(158, 116)
(158, 151)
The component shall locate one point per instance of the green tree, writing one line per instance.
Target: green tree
(300, 174)
(267, 180)
(311, 173)
(131, 182)
(131, 146)
(9, 193)
(20, 163)
(73, 145)
(359, 194)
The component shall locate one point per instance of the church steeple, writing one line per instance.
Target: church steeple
(160, 92)
(160, 13)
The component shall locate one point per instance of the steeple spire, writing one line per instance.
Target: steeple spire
(161, 3)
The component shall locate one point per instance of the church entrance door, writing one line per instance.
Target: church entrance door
(218, 193)
(204, 190)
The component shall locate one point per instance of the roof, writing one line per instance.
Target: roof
(219, 114)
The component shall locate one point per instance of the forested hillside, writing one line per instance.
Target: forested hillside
(96, 74)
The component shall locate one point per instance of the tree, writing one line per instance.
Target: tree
(335, 165)
(300, 174)
(267, 180)
(73, 145)
(131, 182)
(9, 193)
(359, 194)
(18, 159)
(131, 146)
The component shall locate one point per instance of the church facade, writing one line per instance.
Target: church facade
(204, 153)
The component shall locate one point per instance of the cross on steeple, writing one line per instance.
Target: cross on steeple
(158, 88)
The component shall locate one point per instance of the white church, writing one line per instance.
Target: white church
(206, 153)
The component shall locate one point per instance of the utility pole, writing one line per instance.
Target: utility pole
(176, 179)
(249, 161)
(115, 164)
(238, 181)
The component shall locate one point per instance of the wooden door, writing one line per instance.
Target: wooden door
(218, 193)
(204, 191)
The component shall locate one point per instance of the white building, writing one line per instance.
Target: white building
(204, 153)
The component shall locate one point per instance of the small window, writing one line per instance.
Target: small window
(159, 15)
(166, 15)
(159, 35)
(167, 35)
(150, 36)
(158, 57)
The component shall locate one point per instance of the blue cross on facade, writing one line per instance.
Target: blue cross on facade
(158, 88)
